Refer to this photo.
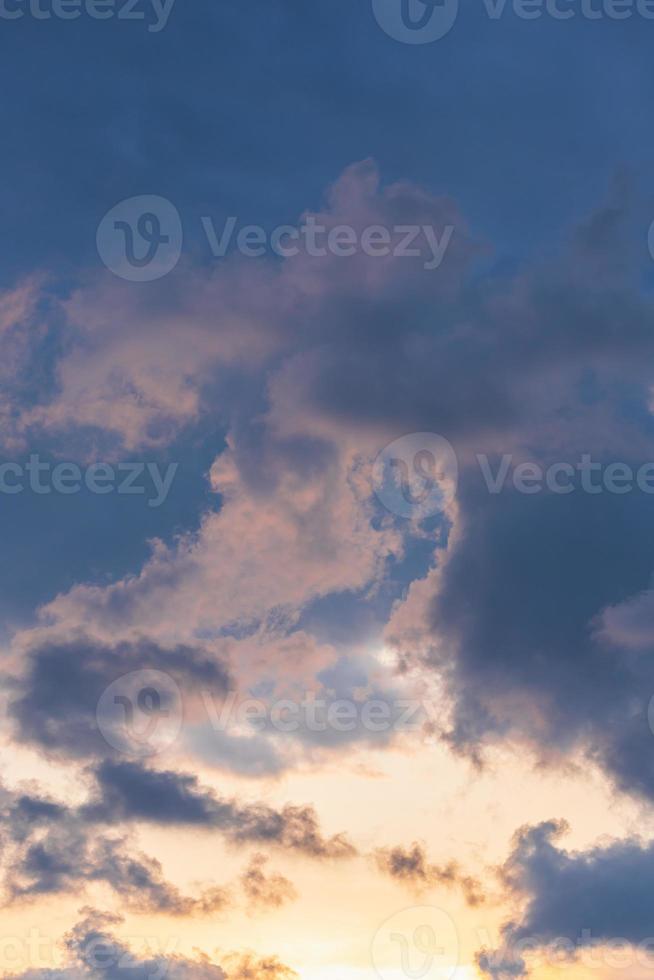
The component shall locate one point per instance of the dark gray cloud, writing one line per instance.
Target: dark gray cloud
(560, 368)
(412, 867)
(22, 814)
(50, 849)
(57, 699)
(547, 363)
(573, 902)
(497, 358)
(516, 612)
(128, 791)
(92, 952)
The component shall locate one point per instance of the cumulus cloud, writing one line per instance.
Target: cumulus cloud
(362, 352)
(536, 620)
(140, 366)
(228, 575)
(134, 370)
(514, 668)
(56, 697)
(573, 901)
(286, 486)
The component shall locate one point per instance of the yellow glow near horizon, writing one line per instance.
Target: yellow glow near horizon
(343, 972)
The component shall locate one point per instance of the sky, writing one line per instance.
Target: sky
(326, 490)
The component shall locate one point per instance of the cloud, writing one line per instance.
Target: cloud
(412, 867)
(514, 669)
(574, 902)
(130, 792)
(530, 613)
(248, 966)
(134, 370)
(227, 577)
(140, 367)
(56, 704)
(265, 890)
(50, 849)
(283, 485)
(530, 364)
(92, 952)
(29, 333)
(535, 620)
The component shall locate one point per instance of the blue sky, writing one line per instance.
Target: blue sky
(523, 122)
